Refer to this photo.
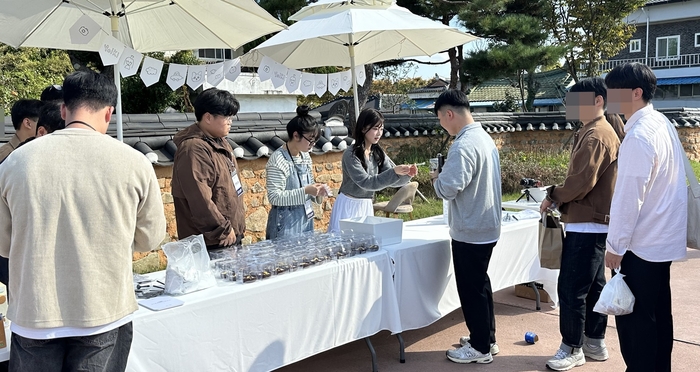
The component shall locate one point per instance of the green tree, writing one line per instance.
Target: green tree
(517, 43)
(25, 72)
(442, 11)
(393, 83)
(139, 99)
(592, 30)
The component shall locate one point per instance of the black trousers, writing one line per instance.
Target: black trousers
(646, 335)
(475, 295)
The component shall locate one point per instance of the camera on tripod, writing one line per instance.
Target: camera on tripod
(530, 182)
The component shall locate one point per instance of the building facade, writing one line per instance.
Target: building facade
(667, 39)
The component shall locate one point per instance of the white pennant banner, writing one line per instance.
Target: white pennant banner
(360, 75)
(111, 50)
(195, 76)
(321, 86)
(346, 80)
(215, 73)
(307, 84)
(265, 69)
(334, 83)
(176, 75)
(232, 69)
(293, 80)
(279, 75)
(150, 71)
(84, 30)
(129, 62)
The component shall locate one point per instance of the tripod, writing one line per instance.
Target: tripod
(528, 196)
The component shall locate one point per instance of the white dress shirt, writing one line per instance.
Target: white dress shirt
(648, 215)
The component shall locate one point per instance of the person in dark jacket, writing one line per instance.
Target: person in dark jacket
(584, 201)
(206, 184)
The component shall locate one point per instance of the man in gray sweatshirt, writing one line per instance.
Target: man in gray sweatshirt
(471, 181)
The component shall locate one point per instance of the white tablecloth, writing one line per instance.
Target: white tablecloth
(424, 274)
(265, 325)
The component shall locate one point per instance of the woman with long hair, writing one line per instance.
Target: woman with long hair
(290, 180)
(366, 169)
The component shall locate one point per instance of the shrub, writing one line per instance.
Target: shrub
(546, 165)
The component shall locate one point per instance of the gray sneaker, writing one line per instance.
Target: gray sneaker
(464, 340)
(564, 361)
(467, 354)
(595, 352)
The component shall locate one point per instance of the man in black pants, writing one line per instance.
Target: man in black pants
(647, 217)
(471, 182)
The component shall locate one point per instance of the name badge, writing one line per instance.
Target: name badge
(237, 182)
(309, 209)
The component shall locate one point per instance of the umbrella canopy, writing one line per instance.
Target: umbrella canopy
(332, 33)
(143, 25)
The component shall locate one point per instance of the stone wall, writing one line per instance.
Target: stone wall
(327, 169)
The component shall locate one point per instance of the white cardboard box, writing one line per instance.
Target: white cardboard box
(387, 231)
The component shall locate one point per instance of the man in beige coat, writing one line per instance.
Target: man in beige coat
(74, 205)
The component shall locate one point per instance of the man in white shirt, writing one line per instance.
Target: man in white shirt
(647, 217)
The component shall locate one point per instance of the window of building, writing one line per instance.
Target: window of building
(697, 40)
(686, 90)
(668, 47)
(696, 90)
(667, 92)
(635, 45)
(219, 54)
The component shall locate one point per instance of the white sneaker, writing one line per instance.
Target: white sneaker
(464, 340)
(564, 361)
(467, 354)
(595, 352)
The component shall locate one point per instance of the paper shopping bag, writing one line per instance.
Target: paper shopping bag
(551, 241)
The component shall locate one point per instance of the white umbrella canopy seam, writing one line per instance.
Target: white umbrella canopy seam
(143, 25)
(348, 35)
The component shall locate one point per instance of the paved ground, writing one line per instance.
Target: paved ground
(425, 348)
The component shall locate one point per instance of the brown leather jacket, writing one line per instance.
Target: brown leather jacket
(587, 191)
(205, 199)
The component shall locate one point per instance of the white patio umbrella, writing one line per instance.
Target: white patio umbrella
(351, 33)
(143, 25)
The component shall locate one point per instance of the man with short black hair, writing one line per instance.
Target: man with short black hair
(25, 114)
(584, 202)
(70, 232)
(52, 94)
(471, 181)
(206, 182)
(50, 120)
(647, 218)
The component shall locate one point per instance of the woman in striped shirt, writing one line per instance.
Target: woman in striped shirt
(290, 179)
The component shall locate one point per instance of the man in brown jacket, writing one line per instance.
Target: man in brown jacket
(584, 201)
(206, 182)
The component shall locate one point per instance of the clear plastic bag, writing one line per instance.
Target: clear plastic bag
(616, 298)
(188, 266)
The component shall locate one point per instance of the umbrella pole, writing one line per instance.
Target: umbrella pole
(351, 50)
(117, 81)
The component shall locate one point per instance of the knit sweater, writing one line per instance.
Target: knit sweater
(361, 183)
(74, 206)
(471, 181)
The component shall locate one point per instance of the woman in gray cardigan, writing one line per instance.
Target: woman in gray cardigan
(366, 169)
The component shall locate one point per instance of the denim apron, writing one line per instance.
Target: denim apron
(291, 220)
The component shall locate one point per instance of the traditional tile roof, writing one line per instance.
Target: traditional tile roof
(257, 135)
(553, 85)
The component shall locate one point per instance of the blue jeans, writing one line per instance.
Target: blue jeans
(581, 278)
(105, 352)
